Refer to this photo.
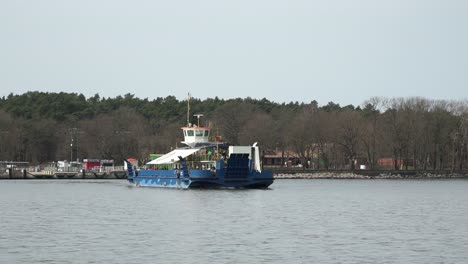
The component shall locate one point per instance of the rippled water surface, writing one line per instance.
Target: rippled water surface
(296, 221)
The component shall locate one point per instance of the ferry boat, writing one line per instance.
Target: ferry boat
(203, 164)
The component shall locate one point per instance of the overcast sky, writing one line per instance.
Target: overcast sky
(343, 51)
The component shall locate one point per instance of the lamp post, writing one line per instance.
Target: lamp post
(74, 141)
(71, 150)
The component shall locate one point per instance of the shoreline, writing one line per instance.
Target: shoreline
(384, 175)
(277, 174)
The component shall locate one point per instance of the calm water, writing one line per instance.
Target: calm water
(296, 221)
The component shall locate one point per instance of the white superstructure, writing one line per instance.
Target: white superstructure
(194, 135)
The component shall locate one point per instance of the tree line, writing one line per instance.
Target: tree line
(413, 133)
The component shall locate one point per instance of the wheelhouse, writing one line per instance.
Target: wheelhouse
(196, 135)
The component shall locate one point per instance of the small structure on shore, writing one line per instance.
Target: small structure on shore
(98, 165)
(11, 169)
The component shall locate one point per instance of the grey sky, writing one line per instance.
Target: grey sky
(328, 50)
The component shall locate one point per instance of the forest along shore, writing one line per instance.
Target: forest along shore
(369, 174)
(382, 132)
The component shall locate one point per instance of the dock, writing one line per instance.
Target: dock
(49, 174)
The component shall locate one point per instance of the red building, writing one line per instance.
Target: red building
(91, 163)
(275, 157)
(389, 163)
(133, 161)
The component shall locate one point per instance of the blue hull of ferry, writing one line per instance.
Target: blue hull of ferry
(200, 179)
(236, 175)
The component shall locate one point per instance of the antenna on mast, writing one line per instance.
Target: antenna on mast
(198, 118)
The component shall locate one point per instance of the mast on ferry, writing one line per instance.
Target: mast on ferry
(188, 109)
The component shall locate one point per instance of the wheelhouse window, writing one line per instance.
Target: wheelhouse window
(190, 133)
(199, 133)
(207, 132)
